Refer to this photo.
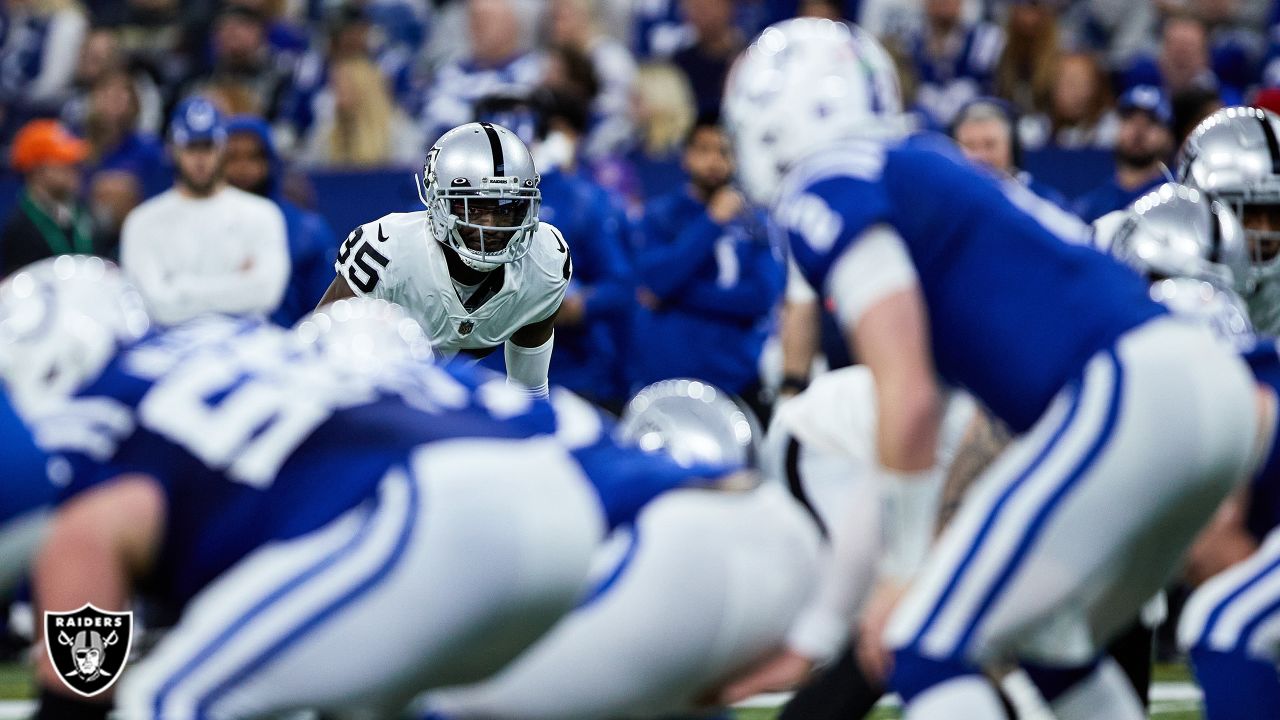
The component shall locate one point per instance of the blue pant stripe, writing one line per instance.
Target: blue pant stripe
(616, 574)
(1266, 613)
(371, 581)
(1033, 530)
(261, 606)
(1230, 599)
(994, 515)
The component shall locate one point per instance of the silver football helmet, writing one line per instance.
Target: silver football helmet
(61, 321)
(1217, 307)
(481, 191)
(692, 421)
(1234, 156)
(364, 333)
(1176, 231)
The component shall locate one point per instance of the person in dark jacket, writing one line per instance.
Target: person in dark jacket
(49, 218)
(253, 166)
(710, 275)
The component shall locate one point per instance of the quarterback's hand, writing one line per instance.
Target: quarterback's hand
(725, 205)
(874, 658)
(782, 671)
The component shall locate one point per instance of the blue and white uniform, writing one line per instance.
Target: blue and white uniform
(702, 585)
(1231, 624)
(28, 494)
(432, 520)
(1081, 521)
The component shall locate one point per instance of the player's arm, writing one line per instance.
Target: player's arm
(528, 355)
(99, 541)
(799, 331)
(338, 290)
(983, 441)
(880, 306)
(361, 268)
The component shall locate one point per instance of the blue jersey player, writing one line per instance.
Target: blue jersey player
(1133, 425)
(334, 537)
(1230, 626)
(26, 498)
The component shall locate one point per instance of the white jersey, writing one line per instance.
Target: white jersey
(395, 258)
(831, 469)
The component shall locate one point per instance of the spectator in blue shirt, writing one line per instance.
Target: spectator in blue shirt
(710, 277)
(38, 54)
(953, 61)
(1143, 143)
(115, 140)
(252, 165)
(496, 64)
(1186, 61)
(349, 32)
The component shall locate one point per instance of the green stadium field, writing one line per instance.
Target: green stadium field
(15, 685)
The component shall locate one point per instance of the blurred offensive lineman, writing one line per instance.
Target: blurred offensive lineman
(27, 496)
(476, 269)
(1085, 516)
(457, 521)
(1234, 156)
(744, 564)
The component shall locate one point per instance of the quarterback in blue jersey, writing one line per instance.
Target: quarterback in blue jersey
(294, 508)
(1133, 424)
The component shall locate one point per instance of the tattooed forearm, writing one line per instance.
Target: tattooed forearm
(985, 439)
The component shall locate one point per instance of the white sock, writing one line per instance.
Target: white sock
(969, 697)
(1104, 695)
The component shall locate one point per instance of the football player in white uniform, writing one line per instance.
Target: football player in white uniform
(476, 269)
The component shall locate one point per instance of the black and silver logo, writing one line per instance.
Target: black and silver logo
(88, 647)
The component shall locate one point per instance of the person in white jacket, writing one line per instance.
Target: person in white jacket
(204, 246)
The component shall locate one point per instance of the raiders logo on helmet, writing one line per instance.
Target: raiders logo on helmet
(88, 647)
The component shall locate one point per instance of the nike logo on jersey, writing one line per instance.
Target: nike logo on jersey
(382, 236)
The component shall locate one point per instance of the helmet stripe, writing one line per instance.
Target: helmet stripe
(495, 144)
(1272, 145)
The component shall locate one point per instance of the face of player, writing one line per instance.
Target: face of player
(489, 213)
(987, 142)
(1262, 224)
(708, 160)
(199, 167)
(1142, 141)
(246, 165)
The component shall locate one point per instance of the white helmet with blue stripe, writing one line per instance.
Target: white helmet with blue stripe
(802, 84)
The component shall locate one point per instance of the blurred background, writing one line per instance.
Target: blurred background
(334, 103)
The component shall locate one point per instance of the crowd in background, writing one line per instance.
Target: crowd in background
(675, 275)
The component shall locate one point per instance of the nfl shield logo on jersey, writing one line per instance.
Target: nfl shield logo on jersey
(466, 326)
(88, 647)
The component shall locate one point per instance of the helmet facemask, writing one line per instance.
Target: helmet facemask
(489, 230)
